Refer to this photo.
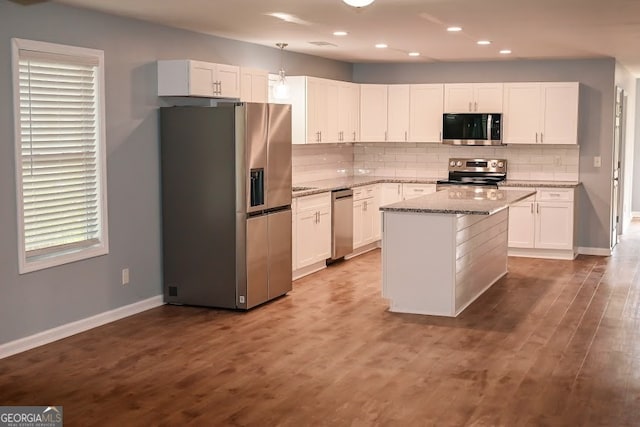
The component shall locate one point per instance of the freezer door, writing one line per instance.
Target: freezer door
(256, 170)
(257, 260)
(279, 253)
(278, 172)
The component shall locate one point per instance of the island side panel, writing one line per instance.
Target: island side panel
(481, 255)
(418, 262)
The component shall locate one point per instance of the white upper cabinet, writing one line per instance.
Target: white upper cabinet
(184, 77)
(473, 98)
(254, 85)
(541, 113)
(398, 105)
(373, 113)
(425, 109)
(348, 109)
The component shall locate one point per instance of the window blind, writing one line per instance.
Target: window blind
(59, 146)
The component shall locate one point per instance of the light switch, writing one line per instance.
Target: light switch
(597, 161)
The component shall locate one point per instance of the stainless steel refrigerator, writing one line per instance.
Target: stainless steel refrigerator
(226, 204)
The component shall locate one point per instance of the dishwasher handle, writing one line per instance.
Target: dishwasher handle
(341, 194)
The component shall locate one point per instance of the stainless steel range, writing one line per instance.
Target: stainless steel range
(474, 173)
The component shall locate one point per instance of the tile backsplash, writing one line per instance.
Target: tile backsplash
(422, 160)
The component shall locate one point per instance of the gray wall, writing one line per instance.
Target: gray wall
(37, 301)
(596, 117)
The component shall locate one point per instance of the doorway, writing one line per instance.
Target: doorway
(616, 184)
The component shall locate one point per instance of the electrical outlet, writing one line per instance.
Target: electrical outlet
(597, 161)
(241, 299)
(125, 276)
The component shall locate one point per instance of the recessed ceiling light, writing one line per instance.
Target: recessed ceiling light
(340, 33)
(358, 3)
(414, 53)
(484, 42)
(454, 29)
(381, 46)
(505, 51)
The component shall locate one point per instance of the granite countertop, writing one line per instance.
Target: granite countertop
(321, 186)
(466, 202)
(553, 184)
(316, 187)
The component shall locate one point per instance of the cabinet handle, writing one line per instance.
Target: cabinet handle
(440, 135)
(354, 136)
(537, 208)
(541, 137)
(385, 135)
(320, 136)
(536, 137)
(405, 135)
(532, 208)
(475, 106)
(399, 189)
(470, 110)
(364, 206)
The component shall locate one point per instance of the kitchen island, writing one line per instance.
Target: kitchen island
(442, 251)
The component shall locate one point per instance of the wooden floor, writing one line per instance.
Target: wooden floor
(554, 343)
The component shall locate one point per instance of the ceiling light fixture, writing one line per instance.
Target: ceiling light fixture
(358, 3)
(281, 89)
(381, 46)
(454, 29)
(414, 53)
(484, 42)
(505, 51)
(340, 33)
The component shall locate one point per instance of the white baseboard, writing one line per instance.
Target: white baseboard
(594, 251)
(542, 253)
(635, 214)
(64, 331)
(364, 249)
(310, 269)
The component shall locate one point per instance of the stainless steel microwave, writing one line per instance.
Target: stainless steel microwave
(472, 128)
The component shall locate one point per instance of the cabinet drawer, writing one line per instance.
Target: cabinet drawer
(555, 194)
(314, 201)
(417, 190)
(364, 192)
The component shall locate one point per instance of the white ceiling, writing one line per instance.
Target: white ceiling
(530, 28)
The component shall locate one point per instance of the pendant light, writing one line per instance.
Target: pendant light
(358, 3)
(281, 88)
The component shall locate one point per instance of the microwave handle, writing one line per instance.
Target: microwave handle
(489, 126)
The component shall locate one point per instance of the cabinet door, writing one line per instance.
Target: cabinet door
(425, 106)
(390, 193)
(368, 221)
(554, 225)
(522, 106)
(254, 85)
(316, 113)
(323, 234)
(559, 113)
(306, 246)
(228, 77)
(487, 97)
(202, 78)
(373, 113)
(458, 98)
(348, 111)
(398, 113)
(357, 223)
(522, 224)
(332, 106)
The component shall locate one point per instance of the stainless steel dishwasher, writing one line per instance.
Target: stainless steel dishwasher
(341, 223)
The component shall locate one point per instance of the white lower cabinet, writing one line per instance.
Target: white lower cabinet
(366, 217)
(543, 225)
(312, 230)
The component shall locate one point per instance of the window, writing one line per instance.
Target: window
(60, 153)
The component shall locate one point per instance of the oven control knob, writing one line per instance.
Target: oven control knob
(452, 163)
(458, 163)
(494, 164)
(500, 164)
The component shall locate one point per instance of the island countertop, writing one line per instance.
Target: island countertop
(458, 201)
